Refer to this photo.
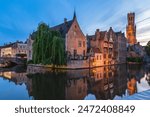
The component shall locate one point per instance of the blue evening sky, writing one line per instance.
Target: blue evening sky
(18, 18)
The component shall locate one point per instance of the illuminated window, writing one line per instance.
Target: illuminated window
(109, 55)
(83, 43)
(104, 62)
(79, 44)
(104, 55)
(97, 57)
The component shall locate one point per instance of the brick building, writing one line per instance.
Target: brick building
(104, 41)
(75, 41)
(131, 29)
(17, 49)
(120, 48)
(29, 46)
(112, 45)
(95, 57)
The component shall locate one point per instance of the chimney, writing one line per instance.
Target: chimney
(97, 34)
(97, 30)
(65, 20)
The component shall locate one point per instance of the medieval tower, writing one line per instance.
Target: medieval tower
(131, 29)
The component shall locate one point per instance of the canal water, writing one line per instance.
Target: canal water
(103, 83)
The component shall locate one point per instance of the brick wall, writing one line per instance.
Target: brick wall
(75, 40)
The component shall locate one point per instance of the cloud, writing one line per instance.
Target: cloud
(19, 18)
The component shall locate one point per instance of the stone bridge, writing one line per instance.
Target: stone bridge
(6, 60)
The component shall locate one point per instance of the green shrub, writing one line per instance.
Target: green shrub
(137, 59)
(30, 62)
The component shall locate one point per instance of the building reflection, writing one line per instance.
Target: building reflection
(135, 75)
(102, 82)
(57, 86)
(132, 88)
(109, 82)
(18, 78)
(76, 89)
(120, 80)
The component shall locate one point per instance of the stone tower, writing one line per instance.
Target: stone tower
(131, 29)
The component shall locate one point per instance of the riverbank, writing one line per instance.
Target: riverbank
(135, 63)
(37, 68)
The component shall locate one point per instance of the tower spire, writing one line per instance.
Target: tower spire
(74, 15)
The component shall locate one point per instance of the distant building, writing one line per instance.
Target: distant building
(75, 41)
(29, 46)
(17, 49)
(136, 50)
(6, 51)
(120, 48)
(131, 29)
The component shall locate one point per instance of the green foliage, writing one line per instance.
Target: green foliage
(30, 62)
(48, 47)
(48, 85)
(138, 60)
(58, 53)
(147, 48)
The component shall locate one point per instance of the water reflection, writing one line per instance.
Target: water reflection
(111, 82)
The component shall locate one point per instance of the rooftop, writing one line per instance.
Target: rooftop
(63, 28)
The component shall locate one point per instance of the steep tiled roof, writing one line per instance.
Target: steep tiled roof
(11, 44)
(102, 34)
(89, 37)
(96, 50)
(63, 28)
(33, 35)
(118, 33)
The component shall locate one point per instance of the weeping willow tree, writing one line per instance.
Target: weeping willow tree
(48, 47)
(58, 53)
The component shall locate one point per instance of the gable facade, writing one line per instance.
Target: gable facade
(75, 41)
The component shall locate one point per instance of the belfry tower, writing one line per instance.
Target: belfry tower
(131, 29)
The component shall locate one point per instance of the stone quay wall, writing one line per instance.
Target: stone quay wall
(72, 65)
